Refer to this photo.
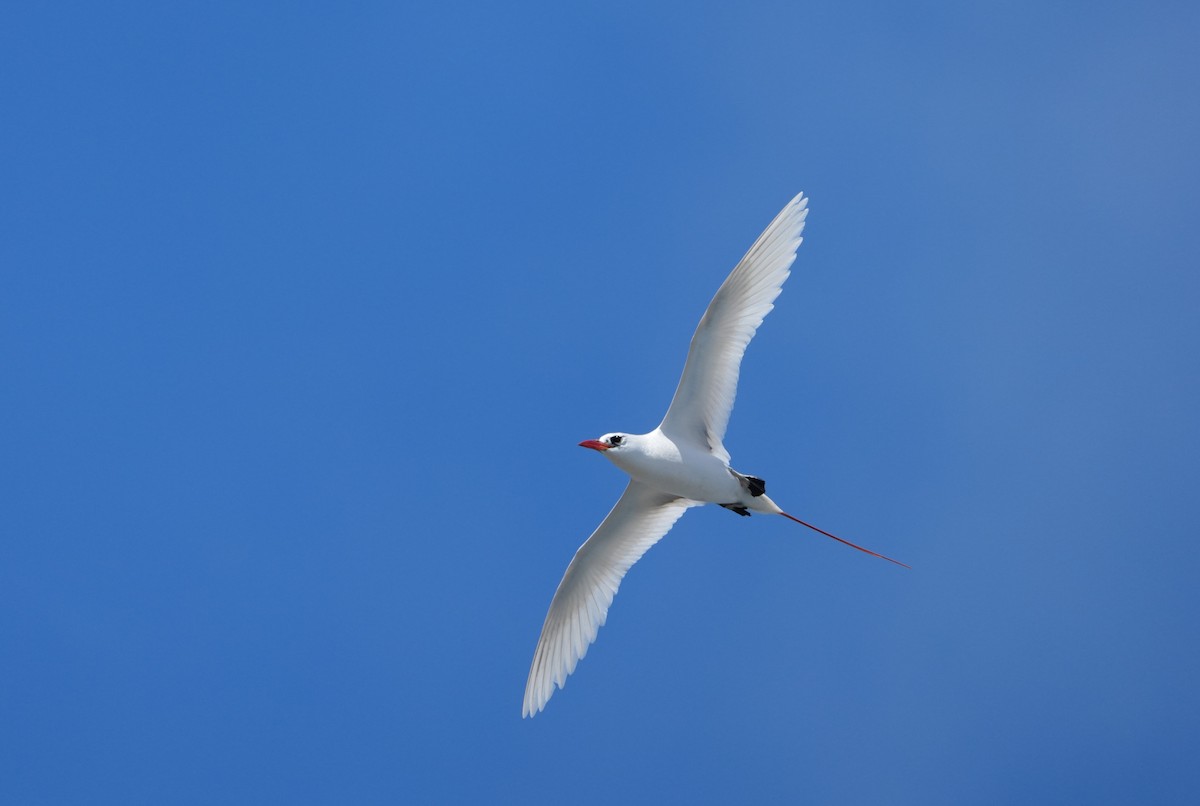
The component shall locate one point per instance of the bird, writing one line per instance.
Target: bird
(681, 464)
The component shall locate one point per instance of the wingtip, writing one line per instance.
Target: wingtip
(528, 711)
(797, 212)
(533, 704)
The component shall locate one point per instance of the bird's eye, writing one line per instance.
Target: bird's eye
(615, 439)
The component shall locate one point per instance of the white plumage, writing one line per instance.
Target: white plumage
(682, 463)
(704, 399)
(639, 520)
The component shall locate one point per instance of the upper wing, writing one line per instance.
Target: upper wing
(700, 409)
(580, 605)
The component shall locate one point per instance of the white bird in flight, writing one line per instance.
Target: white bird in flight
(680, 464)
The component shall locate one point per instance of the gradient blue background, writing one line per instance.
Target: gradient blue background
(304, 308)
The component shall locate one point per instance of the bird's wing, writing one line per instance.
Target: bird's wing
(639, 520)
(700, 410)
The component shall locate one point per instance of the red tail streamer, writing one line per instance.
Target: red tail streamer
(847, 542)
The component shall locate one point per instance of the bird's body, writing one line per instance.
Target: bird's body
(685, 470)
(680, 464)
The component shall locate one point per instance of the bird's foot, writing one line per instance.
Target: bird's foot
(738, 508)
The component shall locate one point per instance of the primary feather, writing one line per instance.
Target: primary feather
(639, 520)
(704, 399)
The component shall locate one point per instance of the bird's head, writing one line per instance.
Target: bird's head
(608, 442)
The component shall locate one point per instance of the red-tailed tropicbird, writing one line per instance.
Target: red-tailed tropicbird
(680, 464)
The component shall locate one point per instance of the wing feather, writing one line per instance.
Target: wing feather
(580, 606)
(704, 399)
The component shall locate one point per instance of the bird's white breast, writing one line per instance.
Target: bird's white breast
(677, 469)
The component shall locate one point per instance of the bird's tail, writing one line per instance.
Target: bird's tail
(835, 537)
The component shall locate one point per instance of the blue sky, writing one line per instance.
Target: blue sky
(304, 308)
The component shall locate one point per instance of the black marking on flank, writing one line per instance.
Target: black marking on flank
(738, 508)
(751, 484)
